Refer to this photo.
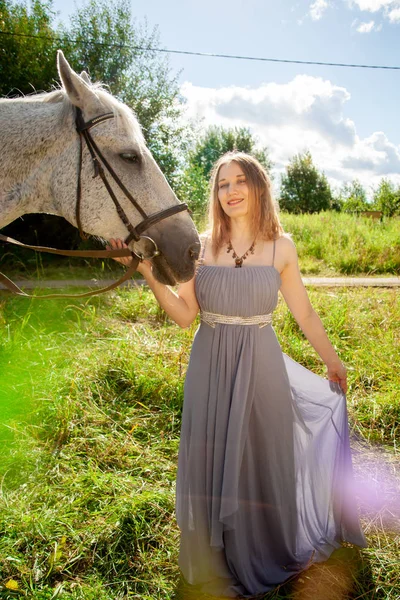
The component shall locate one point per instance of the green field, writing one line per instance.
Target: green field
(343, 244)
(329, 244)
(91, 397)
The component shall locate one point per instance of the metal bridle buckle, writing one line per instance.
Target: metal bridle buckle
(140, 255)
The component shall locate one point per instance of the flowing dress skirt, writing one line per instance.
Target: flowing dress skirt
(264, 484)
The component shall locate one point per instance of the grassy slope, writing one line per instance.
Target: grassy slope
(87, 494)
(343, 244)
(328, 244)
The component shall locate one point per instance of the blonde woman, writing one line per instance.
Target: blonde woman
(264, 471)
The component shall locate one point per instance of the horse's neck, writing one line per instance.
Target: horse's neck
(32, 134)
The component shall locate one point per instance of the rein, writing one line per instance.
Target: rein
(135, 233)
(12, 287)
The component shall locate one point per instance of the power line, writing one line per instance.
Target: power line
(208, 54)
(279, 60)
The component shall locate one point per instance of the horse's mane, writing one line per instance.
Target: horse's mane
(124, 115)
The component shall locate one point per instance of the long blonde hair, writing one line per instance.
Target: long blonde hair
(264, 219)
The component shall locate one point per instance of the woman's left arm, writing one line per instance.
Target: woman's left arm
(297, 299)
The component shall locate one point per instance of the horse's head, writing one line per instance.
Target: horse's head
(121, 142)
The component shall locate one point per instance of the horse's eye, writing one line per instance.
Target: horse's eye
(130, 157)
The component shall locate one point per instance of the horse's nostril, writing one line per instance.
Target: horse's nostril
(194, 251)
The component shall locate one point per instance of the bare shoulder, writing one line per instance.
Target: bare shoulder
(286, 249)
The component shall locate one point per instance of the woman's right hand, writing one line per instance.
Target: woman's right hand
(144, 267)
(118, 245)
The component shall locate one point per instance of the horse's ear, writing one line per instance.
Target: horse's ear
(86, 78)
(78, 91)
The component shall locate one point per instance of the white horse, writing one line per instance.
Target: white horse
(39, 169)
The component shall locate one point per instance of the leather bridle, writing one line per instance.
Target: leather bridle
(83, 128)
(135, 232)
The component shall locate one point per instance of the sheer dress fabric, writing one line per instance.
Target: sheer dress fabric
(264, 484)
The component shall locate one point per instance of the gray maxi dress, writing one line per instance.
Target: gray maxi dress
(264, 485)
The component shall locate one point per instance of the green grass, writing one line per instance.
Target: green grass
(342, 244)
(91, 404)
(329, 244)
(35, 266)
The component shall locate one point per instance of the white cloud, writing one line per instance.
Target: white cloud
(389, 8)
(372, 5)
(394, 15)
(366, 27)
(375, 154)
(305, 113)
(317, 9)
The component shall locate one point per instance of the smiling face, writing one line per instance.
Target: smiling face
(241, 188)
(233, 190)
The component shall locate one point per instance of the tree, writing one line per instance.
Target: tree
(114, 49)
(353, 197)
(387, 198)
(193, 188)
(193, 183)
(218, 140)
(303, 188)
(27, 64)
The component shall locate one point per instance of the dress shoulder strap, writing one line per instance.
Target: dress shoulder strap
(203, 250)
(273, 253)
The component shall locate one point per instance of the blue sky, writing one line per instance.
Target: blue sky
(348, 118)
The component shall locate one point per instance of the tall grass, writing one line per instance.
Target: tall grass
(328, 243)
(332, 243)
(87, 495)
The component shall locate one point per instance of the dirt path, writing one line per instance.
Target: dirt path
(384, 282)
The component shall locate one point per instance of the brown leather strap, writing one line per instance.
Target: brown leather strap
(81, 124)
(99, 161)
(79, 253)
(98, 170)
(12, 287)
(148, 220)
(79, 193)
(156, 217)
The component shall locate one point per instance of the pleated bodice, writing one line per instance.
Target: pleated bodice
(244, 292)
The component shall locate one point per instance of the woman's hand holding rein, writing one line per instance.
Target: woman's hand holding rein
(181, 306)
(144, 267)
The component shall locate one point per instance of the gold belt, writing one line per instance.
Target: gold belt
(213, 318)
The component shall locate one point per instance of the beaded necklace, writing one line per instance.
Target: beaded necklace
(239, 259)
